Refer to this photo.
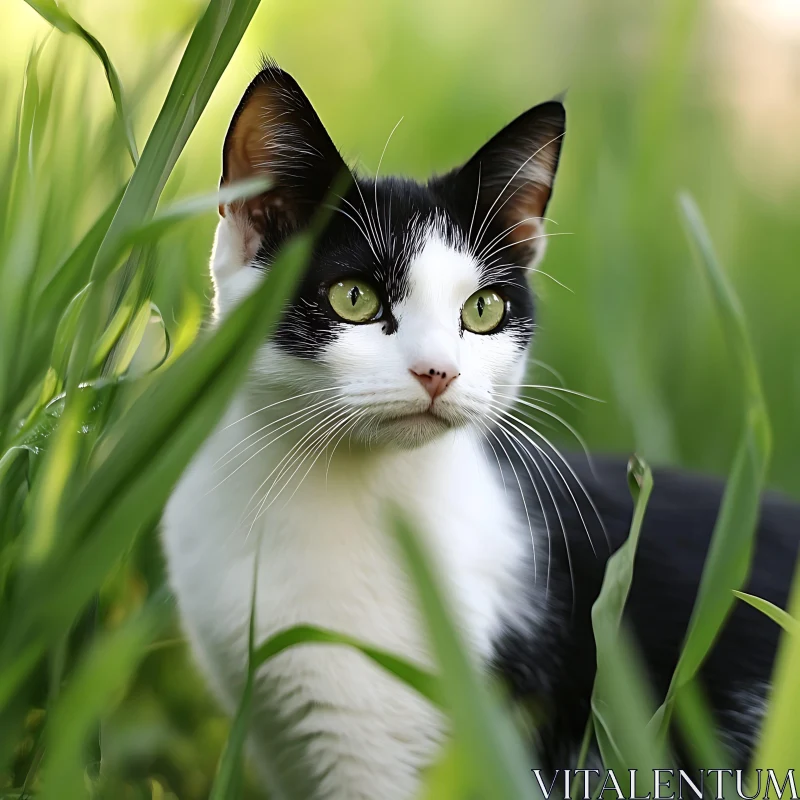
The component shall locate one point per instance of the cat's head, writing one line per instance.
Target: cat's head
(415, 314)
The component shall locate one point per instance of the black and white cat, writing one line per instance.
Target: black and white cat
(393, 377)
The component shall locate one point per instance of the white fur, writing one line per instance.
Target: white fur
(325, 719)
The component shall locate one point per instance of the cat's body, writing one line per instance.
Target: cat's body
(392, 377)
(327, 560)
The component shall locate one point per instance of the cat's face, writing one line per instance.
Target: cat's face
(416, 313)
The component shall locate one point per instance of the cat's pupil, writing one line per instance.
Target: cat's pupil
(480, 305)
(354, 294)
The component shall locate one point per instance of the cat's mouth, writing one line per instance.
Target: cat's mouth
(410, 423)
(414, 428)
(419, 416)
(417, 425)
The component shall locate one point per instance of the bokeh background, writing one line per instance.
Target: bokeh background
(661, 97)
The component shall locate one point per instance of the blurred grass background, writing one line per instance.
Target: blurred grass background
(702, 96)
(662, 96)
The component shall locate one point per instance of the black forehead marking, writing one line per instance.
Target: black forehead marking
(375, 233)
(379, 230)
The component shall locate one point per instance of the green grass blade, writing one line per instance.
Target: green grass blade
(698, 726)
(92, 689)
(62, 344)
(60, 19)
(609, 607)
(134, 309)
(444, 779)
(620, 700)
(130, 347)
(73, 272)
(621, 709)
(228, 780)
(117, 326)
(19, 244)
(133, 476)
(728, 562)
(208, 376)
(779, 746)
(415, 677)
(191, 207)
(729, 308)
(210, 48)
(70, 278)
(492, 758)
(778, 615)
(120, 325)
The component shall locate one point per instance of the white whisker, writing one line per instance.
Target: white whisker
(508, 416)
(508, 183)
(474, 209)
(271, 424)
(526, 239)
(368, 216)
(549, 388)
(362, 231)
(524, 502)
(488, 245)
(479, 422)
(268, 444)
(377, 173)
(318, 443)
(573, 431)
(557, 375)
(522, 452)
(510, 420)
(289, 455)
(321, 449)
(365, 227)
(277, 403)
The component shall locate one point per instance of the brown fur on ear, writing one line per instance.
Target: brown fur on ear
(533, 187)
(276, 133)
(514, 173)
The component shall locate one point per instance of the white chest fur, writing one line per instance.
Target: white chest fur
(325, 718)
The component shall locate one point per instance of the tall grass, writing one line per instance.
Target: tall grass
(103, 401)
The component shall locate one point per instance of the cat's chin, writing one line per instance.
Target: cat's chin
(408, 431)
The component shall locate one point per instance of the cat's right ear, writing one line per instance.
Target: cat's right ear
(276, 134)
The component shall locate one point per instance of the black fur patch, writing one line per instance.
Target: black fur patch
(557, 666)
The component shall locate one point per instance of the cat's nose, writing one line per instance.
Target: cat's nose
(434, 379)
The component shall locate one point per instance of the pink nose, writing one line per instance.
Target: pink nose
(433, 380)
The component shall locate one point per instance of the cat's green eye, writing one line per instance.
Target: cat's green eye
(354, 300)
(483, 312)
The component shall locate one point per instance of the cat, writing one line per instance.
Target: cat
(393, 377)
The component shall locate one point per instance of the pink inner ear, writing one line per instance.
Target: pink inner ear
(248, 156)
(524, 210)
(525, 231)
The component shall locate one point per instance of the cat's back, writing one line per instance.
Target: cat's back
(589, 521)
(675, 539)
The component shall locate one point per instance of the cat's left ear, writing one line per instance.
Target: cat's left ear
(275, 133)
(508, 182)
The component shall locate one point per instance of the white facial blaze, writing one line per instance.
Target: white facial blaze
(376, 370)
(441, 277)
